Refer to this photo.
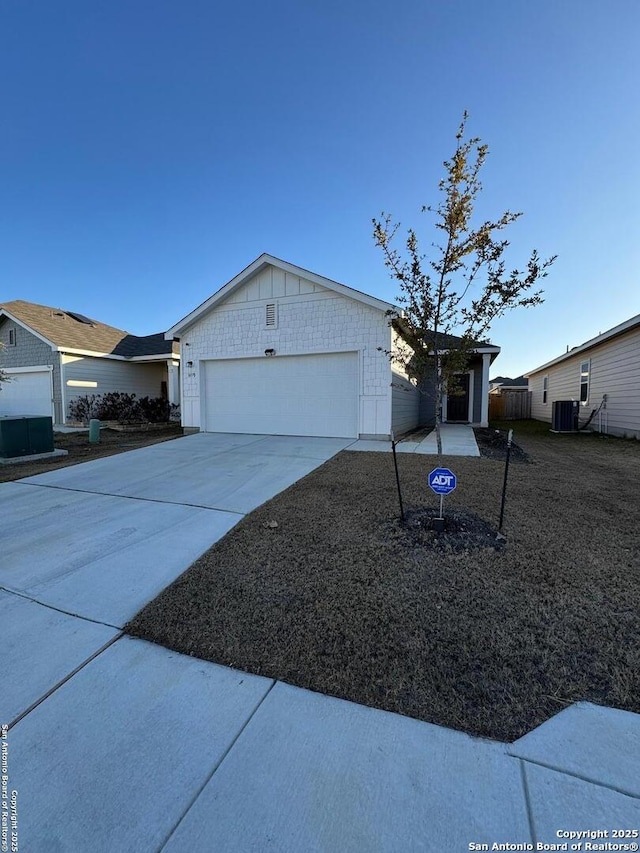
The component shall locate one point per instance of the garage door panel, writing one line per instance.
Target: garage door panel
(28, 393)
(285, 395)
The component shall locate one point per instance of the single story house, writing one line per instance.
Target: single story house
(603, 374)
(53, 356)
(282, 350)
(504, 383)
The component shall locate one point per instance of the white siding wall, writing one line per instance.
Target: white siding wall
(141, 379)
(310, 319)
(401, 354)
(406, 405)
(615, 371)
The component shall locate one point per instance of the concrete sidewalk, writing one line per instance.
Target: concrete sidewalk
(457, 440)
(146, 750)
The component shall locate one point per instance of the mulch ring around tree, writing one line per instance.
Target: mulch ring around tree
(492, 444)
(463, 531)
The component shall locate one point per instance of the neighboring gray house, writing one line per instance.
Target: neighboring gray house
(603, 374)
(53, 356)
(281, 350)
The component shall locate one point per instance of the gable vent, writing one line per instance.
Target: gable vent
(270, 315)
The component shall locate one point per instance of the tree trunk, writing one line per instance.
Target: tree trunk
(438, 400)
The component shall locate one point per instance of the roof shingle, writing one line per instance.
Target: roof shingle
(74, 331)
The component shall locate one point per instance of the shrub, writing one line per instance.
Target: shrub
(154, 409)
(82, 409)
(118, 406)
(122, 407)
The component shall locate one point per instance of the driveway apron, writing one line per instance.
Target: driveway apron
(101, 539)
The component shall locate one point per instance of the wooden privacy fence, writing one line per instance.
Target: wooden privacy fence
(510, 406)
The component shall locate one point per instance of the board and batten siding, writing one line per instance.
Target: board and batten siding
(103, 375)
(614, 371)
(309, 319)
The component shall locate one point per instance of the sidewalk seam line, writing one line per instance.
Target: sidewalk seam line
(128, 497)
(216, 767)
(59, 684)
(58, 609)
(527, 802)
(634, 796)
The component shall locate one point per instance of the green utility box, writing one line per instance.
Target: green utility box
(24, 436)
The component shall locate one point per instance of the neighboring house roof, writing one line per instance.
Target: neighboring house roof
(132, 346)
(627, 326)
(257, 266)
(506, 380)
(68, 330)
(446, 341)
(507, 383)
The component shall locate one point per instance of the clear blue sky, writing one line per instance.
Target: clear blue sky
(151, 149)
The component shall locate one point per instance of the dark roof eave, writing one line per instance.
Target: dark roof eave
(622, 328)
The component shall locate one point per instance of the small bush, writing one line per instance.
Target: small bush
(117, 406)
(82, 409)
(121, 407)
(154, 409)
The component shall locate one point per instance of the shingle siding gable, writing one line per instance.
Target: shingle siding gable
(314, 322)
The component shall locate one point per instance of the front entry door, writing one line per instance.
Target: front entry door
(458, 404)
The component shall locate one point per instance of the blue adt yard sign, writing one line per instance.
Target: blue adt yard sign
(442, 481)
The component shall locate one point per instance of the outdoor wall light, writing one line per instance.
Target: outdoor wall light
(189, 364)
(269, 352)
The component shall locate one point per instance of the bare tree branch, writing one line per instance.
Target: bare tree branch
(441, 321)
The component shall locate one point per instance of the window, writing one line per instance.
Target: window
(271, 316)
(81, 383)
(585, 370)
(12, 337)
(545, 389)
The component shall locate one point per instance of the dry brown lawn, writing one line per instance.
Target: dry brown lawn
(341, 599)
(80, 450)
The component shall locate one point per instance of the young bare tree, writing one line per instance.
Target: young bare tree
(450, 298)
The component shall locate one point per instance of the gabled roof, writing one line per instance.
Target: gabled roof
(256, 267)
(505, 382)
(68, 330)
(627, 326)
(133, 346)
(444, 340)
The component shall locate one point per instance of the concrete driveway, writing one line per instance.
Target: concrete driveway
(101, 539)
(117, 744)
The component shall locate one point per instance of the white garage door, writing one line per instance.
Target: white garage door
(283, 395)
(28, 393)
